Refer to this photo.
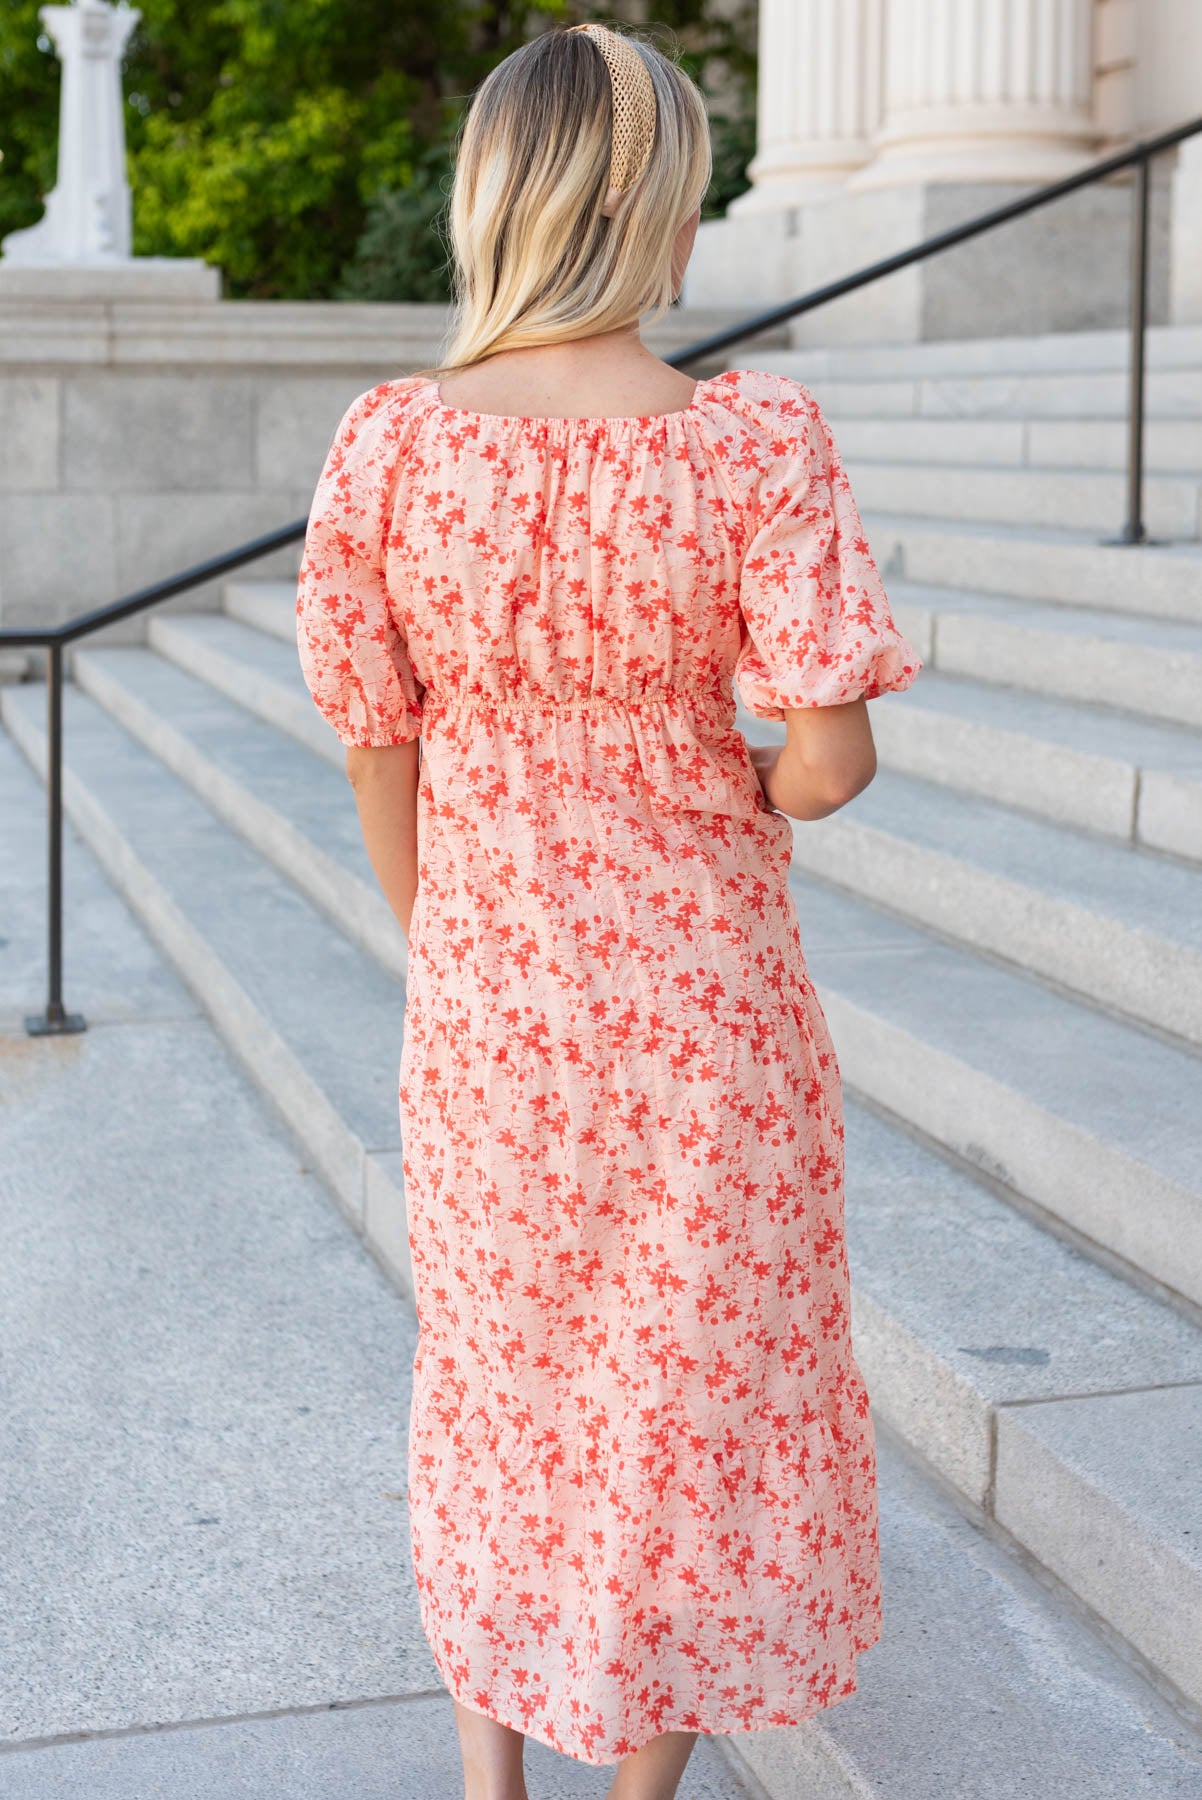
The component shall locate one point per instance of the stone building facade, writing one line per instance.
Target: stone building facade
(882, 122)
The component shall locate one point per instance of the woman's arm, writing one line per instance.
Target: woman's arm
(827, 759)
(385, 784)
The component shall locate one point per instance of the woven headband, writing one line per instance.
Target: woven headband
(633, 111)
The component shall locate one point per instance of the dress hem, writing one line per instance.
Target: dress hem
(715, 1730)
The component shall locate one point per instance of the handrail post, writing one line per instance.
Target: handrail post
(56, 1020)
(1135, 531)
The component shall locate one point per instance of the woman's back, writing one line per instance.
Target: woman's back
(561, 604)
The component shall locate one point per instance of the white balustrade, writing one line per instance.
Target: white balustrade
(87, 217)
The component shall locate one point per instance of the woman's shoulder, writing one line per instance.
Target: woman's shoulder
(764, 425)
(377, 429)
(387, 406)
(763, 397)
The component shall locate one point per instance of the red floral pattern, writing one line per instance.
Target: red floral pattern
(642, 1474)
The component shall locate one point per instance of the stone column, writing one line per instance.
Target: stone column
(819, 97)
(87, 218)
(984, 90)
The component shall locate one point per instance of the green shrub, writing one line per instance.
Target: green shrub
(402, 253)
(302, 145)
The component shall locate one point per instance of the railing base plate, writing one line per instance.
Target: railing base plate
(45, 1025)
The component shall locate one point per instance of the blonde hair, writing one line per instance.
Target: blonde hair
(535, 260)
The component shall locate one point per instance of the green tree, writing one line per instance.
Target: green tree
(402, 252)
(28, 114)
(304, 145)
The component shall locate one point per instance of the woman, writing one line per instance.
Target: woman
(642, 1479)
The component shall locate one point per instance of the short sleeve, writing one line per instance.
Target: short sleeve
(353, 652)
(819, 630)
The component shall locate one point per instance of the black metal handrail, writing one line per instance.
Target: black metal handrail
(53, 638)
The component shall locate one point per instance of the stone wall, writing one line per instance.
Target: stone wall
(1065, 267)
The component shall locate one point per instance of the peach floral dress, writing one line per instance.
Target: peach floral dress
(642, 1475)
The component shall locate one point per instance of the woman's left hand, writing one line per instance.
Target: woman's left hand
(764, 758)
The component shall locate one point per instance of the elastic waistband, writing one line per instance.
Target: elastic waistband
(534, 700)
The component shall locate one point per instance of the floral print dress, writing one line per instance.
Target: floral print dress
(642, 1476)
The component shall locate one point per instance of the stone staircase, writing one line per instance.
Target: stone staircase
(1005, 930)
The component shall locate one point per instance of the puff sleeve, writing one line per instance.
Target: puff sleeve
(353, 652)
(818, 627)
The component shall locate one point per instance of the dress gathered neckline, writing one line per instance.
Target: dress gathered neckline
(592, 419)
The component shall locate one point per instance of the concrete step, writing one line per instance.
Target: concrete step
(970, 1321)
(1152, 667)
(254, 667)
(1084, 766)
(287, 801)
(1100, 1484)
(269, 606)
(1069, 569)
(254, 951)
(1088, 1122)
(1169, 347)
(1054, 498)
(944, 1352)
(1171, 394)
(1068, 376)
(984, 1686)
(1088, 767)
(1113, 923)
(1007, 1314)
(1171, 446)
